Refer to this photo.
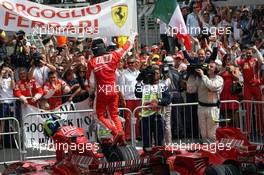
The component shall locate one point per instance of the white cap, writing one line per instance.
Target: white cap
(28, 44)
(129, 54)
(169, 60)
(218, 62)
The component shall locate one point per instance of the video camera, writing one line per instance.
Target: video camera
(146, 75)
(20, 35)
(36, 57)
(192, 67)
(165, 68)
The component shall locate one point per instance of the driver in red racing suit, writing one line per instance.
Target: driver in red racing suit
(104, 65)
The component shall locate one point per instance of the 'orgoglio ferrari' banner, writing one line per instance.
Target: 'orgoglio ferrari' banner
(111, 18)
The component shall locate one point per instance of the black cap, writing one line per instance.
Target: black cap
(20, 32)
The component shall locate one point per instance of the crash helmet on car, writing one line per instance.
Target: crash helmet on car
(50, 127)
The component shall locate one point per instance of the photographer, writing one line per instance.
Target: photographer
(40, 68)
(191, 96)
(173, 115)
(154, 93)
(3, 50)
(21, 56)
(208, 88)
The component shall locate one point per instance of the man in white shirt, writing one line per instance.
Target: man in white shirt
(130, 75)
(7, 83)
(40, 68)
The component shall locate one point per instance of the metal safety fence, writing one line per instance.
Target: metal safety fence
(10, 140)
(37, 146)
(180, 121)
(252, 118)
(23, 136)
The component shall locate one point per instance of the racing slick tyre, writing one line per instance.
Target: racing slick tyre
(231, 170)
(123, 153)
(227, 169)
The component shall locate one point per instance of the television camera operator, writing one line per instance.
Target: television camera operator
(208, 88)
(154, 93)
(199, 62)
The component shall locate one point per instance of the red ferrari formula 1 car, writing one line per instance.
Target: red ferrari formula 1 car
(76, 156)
(230, 154)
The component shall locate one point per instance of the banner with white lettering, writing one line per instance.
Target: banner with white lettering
(111, 18)
(33, 124)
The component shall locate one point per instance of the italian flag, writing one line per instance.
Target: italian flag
(169, 12)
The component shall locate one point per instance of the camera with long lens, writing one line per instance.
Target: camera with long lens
(165, 68)
(36, 57)
(191, 69)
(146, 75)
(20, 35)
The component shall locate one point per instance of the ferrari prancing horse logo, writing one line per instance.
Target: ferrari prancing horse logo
(119, 15)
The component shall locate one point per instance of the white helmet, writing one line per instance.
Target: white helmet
(169, 60)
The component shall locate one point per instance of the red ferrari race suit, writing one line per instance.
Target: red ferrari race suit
(104, 68)
(54, 95)
(29, 88)
(250, 69)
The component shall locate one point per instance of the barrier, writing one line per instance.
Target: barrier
(132, 123)
(188, 135)
(252, 118)
(11, 141)
(44, 148)
(186, 124)
(180, 120)
(10, 107)
(230, 109)
(38, 148)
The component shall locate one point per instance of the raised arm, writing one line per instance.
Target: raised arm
(126, 47)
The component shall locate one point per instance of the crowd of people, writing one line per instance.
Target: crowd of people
(40, 77)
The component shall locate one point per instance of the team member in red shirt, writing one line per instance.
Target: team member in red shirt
(54, 88)
(27, 88)
(250, 69)
(104, 65)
